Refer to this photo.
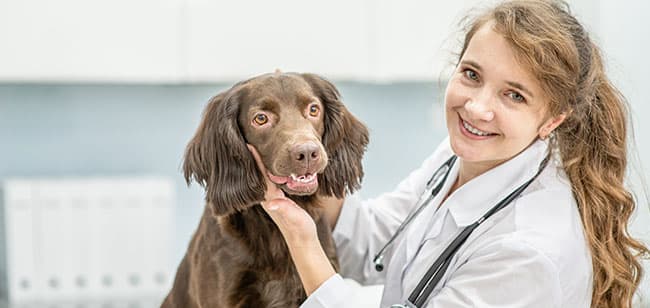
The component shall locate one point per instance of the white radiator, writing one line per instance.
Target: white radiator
(83, 239)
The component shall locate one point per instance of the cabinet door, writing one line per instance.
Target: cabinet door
(416, 39)
(90, 40)
(230, 40)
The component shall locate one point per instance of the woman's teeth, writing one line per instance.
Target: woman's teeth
(475, 130)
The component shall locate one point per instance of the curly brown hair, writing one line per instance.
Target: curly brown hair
(557, 49)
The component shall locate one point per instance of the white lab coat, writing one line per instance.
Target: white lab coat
(533, 253)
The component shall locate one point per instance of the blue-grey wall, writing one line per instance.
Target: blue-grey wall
(107, 130)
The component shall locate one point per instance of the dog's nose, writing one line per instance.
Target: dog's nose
(306, 153)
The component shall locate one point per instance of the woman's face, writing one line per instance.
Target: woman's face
(494, 106)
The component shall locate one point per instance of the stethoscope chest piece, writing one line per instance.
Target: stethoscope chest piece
(379, 263)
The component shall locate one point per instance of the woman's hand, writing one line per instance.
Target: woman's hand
(297, 227)
(299, 231)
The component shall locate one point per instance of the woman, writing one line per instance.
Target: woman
(529, 101)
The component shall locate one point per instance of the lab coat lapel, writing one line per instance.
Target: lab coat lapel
(423, 227)
(430, 221)
(472, 200)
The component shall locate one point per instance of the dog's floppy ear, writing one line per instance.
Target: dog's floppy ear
(217, 158)
(345, 140)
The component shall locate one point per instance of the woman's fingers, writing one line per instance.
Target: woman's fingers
(297, 227)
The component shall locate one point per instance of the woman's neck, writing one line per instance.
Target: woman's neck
(470, 170)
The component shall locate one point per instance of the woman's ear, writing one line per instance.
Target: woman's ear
(217, 158)
(345, 140)
(551, 124)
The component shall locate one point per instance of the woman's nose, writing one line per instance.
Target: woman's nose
(479, 109)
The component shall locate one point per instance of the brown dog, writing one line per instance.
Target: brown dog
(311, 145)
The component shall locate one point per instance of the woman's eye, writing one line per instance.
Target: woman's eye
(516, 96)
(261, 119)
(471, 74)
(313, 110)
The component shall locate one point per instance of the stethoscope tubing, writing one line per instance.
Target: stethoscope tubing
(433, 181)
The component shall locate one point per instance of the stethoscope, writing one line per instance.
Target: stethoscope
(434, 274)
(436, 181)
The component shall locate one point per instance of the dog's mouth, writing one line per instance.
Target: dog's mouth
(305, 184)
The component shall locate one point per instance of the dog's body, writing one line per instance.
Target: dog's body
(232, 263)
(311, 145)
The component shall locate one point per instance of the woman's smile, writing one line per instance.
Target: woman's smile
(473, 132)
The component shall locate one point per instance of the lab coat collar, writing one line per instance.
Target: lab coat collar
(472, 200)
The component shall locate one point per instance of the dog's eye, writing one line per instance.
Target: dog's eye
(261, 119)
(313, 110)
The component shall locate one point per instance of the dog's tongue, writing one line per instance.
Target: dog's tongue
(279, 179)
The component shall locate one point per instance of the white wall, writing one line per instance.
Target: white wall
(624, 33)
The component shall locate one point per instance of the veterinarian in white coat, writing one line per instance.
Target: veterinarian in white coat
(529, 87)
(531, 254)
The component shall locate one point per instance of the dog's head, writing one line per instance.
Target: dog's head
(309, 142)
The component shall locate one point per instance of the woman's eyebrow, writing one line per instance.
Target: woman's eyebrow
(472, 63)
(520, 87)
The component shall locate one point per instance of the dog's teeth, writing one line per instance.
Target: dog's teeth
(306, 178)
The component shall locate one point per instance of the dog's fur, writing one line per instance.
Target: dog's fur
(237, 257)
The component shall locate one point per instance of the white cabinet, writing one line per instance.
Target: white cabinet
(85, 239)
(231, 40)
(225, 41)
(415, 39)
(357, 40)
(90, 40)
